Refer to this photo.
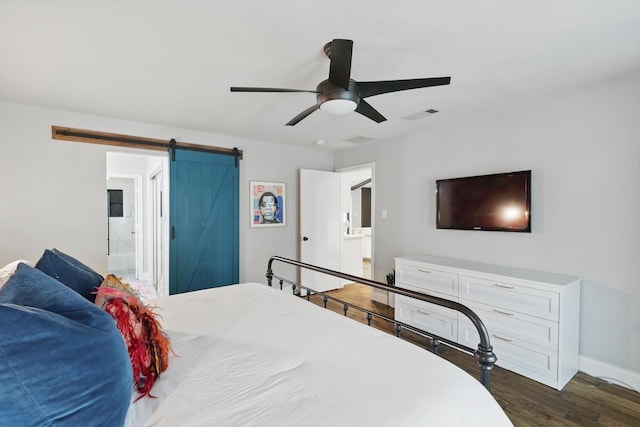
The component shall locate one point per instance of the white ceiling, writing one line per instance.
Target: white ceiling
(172, 62)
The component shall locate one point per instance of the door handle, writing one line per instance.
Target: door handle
(304, 238)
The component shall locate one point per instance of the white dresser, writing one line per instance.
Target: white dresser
(532, 317)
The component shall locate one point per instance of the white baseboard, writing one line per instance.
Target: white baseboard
(610, 373)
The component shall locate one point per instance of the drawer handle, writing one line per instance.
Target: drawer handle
(424, 271)
(506, 313)
(498, 285)
(502, 338)
(426, 313)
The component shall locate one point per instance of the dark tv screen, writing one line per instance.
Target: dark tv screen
(497, 202)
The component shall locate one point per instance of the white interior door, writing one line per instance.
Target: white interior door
(158, 229)
(320, 227)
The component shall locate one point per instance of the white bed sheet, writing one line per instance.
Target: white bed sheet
(251, 355)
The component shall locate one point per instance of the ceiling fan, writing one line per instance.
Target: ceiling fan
(340, 94)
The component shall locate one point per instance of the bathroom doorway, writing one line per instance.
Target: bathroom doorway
(123, 225)
(137, 219)
(358, 221)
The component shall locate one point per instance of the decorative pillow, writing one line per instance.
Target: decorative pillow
(63, 362)
(71, 260)
(147, 344)
(70, 272)
(8, 270)
(116, 284)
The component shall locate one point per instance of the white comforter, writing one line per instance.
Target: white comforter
(250, 355)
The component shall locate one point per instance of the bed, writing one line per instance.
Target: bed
(253, 355)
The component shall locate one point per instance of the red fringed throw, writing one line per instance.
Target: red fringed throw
(148, 346)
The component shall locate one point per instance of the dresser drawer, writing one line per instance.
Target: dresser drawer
(423, 305)
(438, 320)
(515, 326)
(511, 296)
(514, 354)
(426, 278)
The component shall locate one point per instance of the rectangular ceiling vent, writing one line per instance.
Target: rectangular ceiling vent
(360, 139)
(420, 115)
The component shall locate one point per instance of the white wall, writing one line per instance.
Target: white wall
(52, 192)
(584, 152)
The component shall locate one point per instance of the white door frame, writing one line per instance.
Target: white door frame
(160, 228)
(156, 181)
(372, 168)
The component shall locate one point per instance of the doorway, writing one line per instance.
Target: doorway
(123, 223)
(334, 239)
(357, 207)
(137, 239)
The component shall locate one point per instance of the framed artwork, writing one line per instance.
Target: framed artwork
(268, 204)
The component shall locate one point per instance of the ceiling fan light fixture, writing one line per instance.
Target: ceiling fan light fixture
(340, 94)
(339, 106)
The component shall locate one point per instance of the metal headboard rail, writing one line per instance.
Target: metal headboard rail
(399, 326)
(484, 355)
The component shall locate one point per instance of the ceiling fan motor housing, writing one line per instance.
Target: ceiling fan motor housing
(329, 91)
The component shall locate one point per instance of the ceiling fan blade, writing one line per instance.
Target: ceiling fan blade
(302, 115)
(367, 110)
(340, 66)
(268, 89)
(376, 88)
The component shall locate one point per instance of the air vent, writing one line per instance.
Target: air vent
(420, 115)
(360, 139)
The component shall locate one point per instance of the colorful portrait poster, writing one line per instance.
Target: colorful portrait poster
(267, 204)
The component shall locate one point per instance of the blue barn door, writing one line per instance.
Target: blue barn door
(204, 221)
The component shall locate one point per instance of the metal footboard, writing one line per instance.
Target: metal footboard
(483, 354)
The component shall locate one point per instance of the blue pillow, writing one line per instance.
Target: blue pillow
(70, 272)
(63, 361)
(76, 262)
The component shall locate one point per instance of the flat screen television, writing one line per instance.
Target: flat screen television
(497, 202)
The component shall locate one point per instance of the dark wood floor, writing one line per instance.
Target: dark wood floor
(586, 401)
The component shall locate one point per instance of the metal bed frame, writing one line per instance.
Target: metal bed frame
(483, 354)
